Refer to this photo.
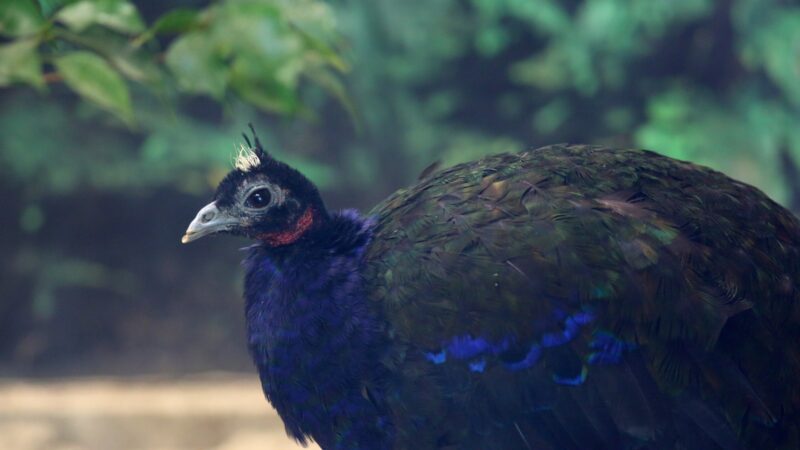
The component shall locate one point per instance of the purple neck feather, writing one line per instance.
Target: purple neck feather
(313, 337)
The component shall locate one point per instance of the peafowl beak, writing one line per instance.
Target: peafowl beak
(209, 220)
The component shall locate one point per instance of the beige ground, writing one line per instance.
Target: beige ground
(214, 412)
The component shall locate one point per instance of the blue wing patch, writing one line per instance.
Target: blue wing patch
(467, 347)
(572, 381)
(437, 358)
(608, 349)
(477, 366)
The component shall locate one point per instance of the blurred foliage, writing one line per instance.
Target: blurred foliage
(712, 82)
(257, 49)
(143, 102)
(715, 82)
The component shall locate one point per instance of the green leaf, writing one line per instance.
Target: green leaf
(20, 62)
(94, 79)
(267, 95)
(492, 40)
(546, 70)
(268, 84)
(48, 7)
(334, 86)
(135, 66)
(315, 24)
(551, 116)
(19, 17)
(778, 47)
(31, 219)
(197, 65)
(176, 21)
(118, 15)
(133, 63)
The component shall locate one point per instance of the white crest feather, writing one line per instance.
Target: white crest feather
(246, 159)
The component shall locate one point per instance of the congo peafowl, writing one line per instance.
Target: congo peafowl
(570, 297)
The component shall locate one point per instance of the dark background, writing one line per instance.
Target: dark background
(106, 157)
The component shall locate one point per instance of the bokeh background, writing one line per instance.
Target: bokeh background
(118, 118)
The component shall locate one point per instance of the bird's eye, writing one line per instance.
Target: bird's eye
(259, 198)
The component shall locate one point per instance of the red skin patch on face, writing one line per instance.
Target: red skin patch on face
(286, 237)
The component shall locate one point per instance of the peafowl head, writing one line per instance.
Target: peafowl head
(261, 198)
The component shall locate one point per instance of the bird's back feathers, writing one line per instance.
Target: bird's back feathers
(582, 297)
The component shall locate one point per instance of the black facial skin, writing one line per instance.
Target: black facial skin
(282, 195)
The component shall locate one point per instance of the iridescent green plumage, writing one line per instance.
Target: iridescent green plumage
(656, 301)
